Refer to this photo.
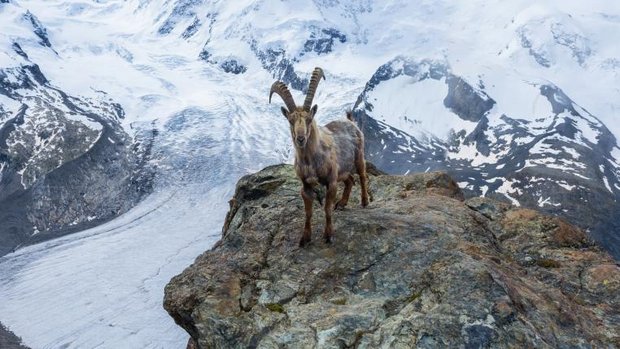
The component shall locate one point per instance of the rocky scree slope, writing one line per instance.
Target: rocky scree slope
(420, 267)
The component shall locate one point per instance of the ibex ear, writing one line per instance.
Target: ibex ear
(313, 111)
(284, 112)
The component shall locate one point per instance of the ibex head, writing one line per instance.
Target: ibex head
(300, 118)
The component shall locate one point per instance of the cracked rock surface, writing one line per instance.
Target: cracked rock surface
(420, 267)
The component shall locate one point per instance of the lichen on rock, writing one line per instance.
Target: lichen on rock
(419, 267)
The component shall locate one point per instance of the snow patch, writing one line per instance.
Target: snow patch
(469, 152)
(507, 189)
(572, 152)
(484, 189)
(8, 105)
(615, 153)
(606, 182)
(465, 185)
(547, 201)
(416, 107)
(85, 120)
(542, 147)
(587, 130)
(565, 185)
(542, 202)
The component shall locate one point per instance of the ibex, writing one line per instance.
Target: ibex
(323, 155)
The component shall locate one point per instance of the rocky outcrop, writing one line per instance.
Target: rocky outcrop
(419, 267)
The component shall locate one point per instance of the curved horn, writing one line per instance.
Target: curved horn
(280, 88)
(317, 74)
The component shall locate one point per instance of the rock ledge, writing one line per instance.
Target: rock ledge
(419, 267)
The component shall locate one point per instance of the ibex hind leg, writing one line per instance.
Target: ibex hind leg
(329, 209)
(348, 184)
(360, 164)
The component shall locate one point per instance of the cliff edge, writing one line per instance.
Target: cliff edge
(420, 267)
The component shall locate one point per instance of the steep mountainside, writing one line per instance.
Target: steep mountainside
(66, 163)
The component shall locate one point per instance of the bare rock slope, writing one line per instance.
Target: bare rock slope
(420, 267)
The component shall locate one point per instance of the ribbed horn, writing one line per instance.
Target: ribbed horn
(317, 74)
(280, 88)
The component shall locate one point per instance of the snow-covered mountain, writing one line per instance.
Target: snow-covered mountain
(66, 163)
(551, 154)
(161, 105)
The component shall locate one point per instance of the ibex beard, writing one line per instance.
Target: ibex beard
(323, 155)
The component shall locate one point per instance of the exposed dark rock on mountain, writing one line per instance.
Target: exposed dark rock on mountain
(322, 41)
(8, 340)
(38, 29)
(420, 267)
(182, 9)
(466, 102)
(280, 65)
(232, 66)
(191, 29)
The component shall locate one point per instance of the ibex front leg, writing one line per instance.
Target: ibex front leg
(308, 195)
(329, 209)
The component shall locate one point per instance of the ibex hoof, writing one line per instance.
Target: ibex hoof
(304, 241)
(340, 206)
(328, 239)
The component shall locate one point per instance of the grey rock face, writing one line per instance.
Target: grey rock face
(38, 29)
(322, 41)
(234, 67)
(280, 65)
(466, 102)
(8, 340)
(182, 9)
(419, 267)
